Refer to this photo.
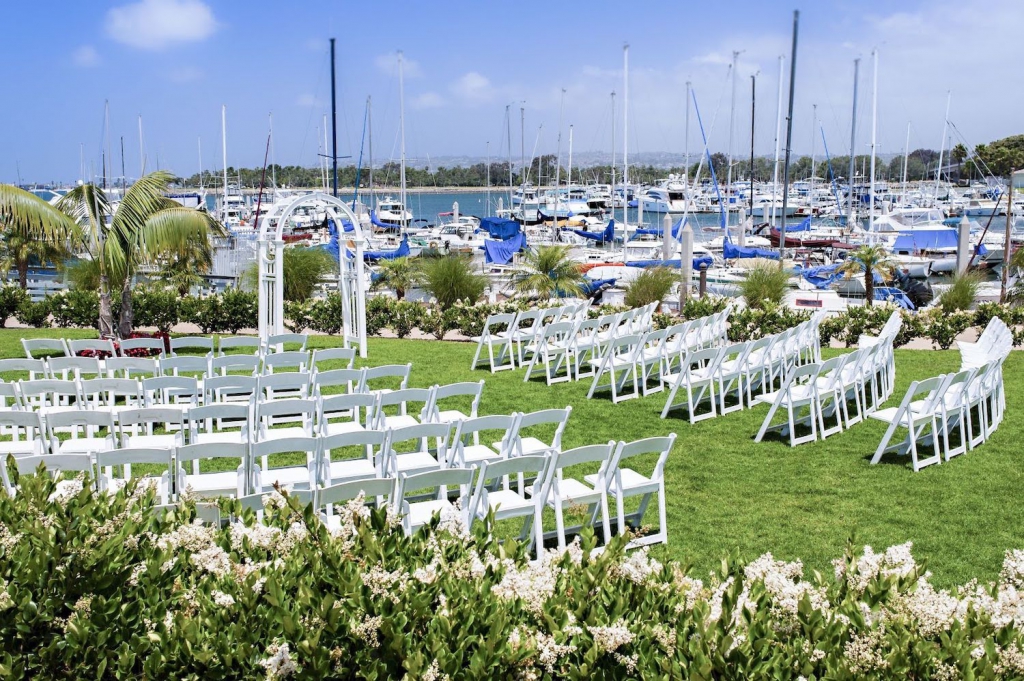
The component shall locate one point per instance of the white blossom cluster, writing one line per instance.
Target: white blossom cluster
(895, 561)
(279, 663)
(609, 639)
(65, 491)
(533, 583)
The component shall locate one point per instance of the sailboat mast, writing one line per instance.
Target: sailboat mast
(686, 141)
(753, 118)
(401, 124)
(625, 140)
(334, 126)
(558, 156)
(200, 164)
(732, 130)
(942, 146)
(814, 128)
(224, 154)
(853, 140)
(613, 153)
(874, 138)
(273, 161)
(778, 140)
(508, 132)
(488, 209)
(369, 139)
(906, 159)
(789, 138)
(522, 147)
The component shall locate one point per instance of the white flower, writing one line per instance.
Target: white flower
(638, 567)
(66, 491)
(214, 560)
(534, 583)
(222, 599)
(137, 572)
(611, 638)
(274, 500)
(368, 629)
(279, 663)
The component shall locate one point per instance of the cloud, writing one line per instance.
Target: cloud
(427, 100)
(388, 63)
(185, 74)
(307, 100)
(85, 57)
(157, 24)
(474, 88)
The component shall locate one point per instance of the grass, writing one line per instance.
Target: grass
(728, 494)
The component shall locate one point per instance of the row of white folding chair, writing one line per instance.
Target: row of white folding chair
(529, 325)
(966, 404)
(203, 344)
(504, 334)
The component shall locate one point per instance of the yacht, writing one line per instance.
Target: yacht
(392, 212)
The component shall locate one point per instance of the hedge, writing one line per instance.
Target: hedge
(234, 309)
(97, 585)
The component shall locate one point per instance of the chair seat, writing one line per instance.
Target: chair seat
(30, 448)
(451, 416)
(281, 433)
(415, 461)
(153, 441)
(616, 363)
(530, 445)
(475, 454)
(218, 437)
(350, 469)
(221, 481)
(797, 394)
(78, 445)
(504, 502)
(887, 415)
(572, 492)
(293, 476)
(632, 482)
(338, 427)
(400, 421)
(421, 512)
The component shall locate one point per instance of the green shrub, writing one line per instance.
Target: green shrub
(239, 310)
(769, 319)
(83, 274)
(34, 314)
(437, 321)
(765, 281)
(156, 307)
(378, 314)
(451, 279)
(76, 308)
(405, 316)
(11, 298)
(962, 292)
(650, 286)
(303, 270)
(290, 599)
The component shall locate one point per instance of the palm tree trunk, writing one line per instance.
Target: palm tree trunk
(126, 318)
(23, 273)
(869, 287)
(106, 314)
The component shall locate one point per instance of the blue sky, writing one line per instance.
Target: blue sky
(176, 62)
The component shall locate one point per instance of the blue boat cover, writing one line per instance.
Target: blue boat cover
(373, 256)
(898, 296)
(697, 262)
(332, 246)
(501, 252)
(804, 226)
(500, 228)
(926, 239)
(658, 231)
(590, 287)
(607, 236)
(731, 251)
(382, 225)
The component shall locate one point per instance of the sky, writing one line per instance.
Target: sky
(468, 64)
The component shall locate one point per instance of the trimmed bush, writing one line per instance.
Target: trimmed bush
(156, 307)
(35, 314)
(11, 298)
(76, 308)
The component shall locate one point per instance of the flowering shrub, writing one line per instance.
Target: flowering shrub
(97, 585)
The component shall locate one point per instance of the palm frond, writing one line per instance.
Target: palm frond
(29, 215)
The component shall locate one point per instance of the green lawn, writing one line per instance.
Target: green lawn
(727, 493)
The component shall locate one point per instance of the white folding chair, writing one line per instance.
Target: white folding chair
(523, 330)
(247, 344)
(225, 482)
(341, 413)
(27, 369)
(829, 397)
(131, 367)
(798, 392)
(337, 380)
(381, 489)
(48, 396)
(275, 362)
(107, 461)
(652, 361)
(697, 375)
(287, 385)
(52, 347)
(730, 375)
(185, 365)
(55, 464)
(73, 368)
(234, 388)
(551, 347)
(218, 423)
(493, 494)
(624, 483)
(527, 438)
(246, 365)
(410, 451)
(496, 336)
(136, 428)
(100, 348)
(561, 492)
(586, 345)
(154, 347)
(954, 413)
(621, 355)
(180, 392)
(467, 449)
(919, 413)
(112, 395)
(386, 373)
(416, 514)
(352, 456)
(268, 415)
(437, 413)
(27, 433)
(288, 474)
(343, 356)
(411, 405)
(84, 426)
(285, 342)
(192, 344)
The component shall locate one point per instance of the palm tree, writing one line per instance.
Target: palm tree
(399, 275)
(869, 261)
(145, 225)
(549, 271)
(31, 227)
(184, 267)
